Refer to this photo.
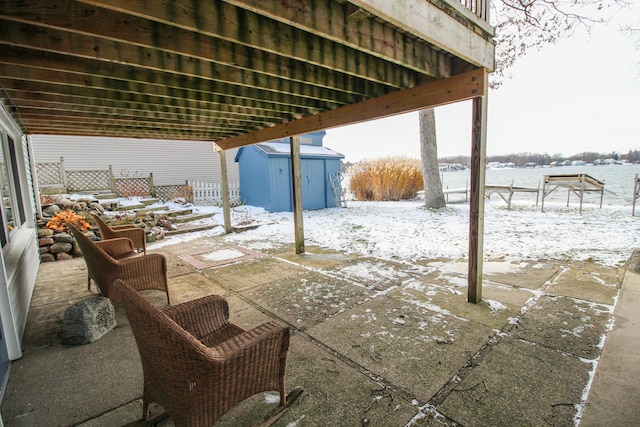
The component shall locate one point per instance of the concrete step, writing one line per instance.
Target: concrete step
(145, 210)
(193, 217)
(118, 207)
(104, 196)
(179, 212)
(149, 201)
(191, 229)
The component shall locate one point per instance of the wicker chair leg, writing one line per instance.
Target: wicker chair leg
(145, 409)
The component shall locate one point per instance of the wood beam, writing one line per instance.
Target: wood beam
(431, 94)
(202, 112)
(476, 197)
(124, 97)
(177, 89)
(330, 19)
(426, 20)
(112, 57)
(164, 27)
(296, 188)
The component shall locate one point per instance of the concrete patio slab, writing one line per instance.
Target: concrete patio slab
(491, 313)
(374, 342)
(305, 300)
(415, 349)
(251, 273)
(567, 324)
(335, 394)
(588, 281)
(67, 385)
(376, 274)
(519, 384)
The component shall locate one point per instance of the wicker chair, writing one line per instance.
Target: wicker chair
(113, 259)
(196, 363)
(137, 235)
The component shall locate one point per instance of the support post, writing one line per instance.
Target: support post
(226, 206)
(296, 188)
(476, 204)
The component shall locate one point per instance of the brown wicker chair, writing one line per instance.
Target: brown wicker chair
(137, 235)
(196, 363)
(113, 259)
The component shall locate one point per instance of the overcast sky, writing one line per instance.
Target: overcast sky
(582, 94)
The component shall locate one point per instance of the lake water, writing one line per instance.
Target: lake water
(618, 182)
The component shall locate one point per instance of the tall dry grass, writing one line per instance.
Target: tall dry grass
(389, 178)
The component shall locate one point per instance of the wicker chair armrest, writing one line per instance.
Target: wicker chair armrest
(116, 247)
(201, 316)
(263, 342)
(137, 235)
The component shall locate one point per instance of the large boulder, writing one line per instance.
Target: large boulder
(88, 320)
(633, 263)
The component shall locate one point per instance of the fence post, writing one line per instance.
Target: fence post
(152, 188)
(112, 182)
(63, 174)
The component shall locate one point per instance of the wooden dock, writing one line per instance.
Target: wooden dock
(505, 192)
(577, 184)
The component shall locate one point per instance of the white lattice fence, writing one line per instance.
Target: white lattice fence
(134, 186)
(210, 193)
(89, 180)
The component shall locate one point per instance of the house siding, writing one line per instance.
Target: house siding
(19, 258)
(171, 162)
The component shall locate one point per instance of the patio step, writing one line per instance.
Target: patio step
(104, 196)
(179, 212)
(149, 201)
(192, 217)
(118, 207)
(145, 210)
(191, 229)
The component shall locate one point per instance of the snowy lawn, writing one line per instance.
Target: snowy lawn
(407, 231)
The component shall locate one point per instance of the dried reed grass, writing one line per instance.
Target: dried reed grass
(389, 178)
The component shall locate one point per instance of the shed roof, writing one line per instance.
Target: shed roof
(282, 149)
(236, 71)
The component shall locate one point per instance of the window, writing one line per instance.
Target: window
(12, 207)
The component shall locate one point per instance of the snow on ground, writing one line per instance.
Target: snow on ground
(407, 231)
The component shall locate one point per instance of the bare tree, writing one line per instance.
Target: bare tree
(521, 25)
(433, 195)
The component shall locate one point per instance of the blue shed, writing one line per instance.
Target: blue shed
(265, 173)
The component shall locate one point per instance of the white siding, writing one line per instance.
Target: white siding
(19, 259)
(171, 162)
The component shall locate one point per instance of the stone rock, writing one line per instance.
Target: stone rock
(76, 250)
(63, 238)
(45, 241)
(68, 204)
(633, 263)
(45, 232)
(88, 320)
(60, 247)
(51, 211)
(97, 206)
(48, 257)
(43, 249)
(61, 256)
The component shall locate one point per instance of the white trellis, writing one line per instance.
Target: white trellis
(210, 193)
